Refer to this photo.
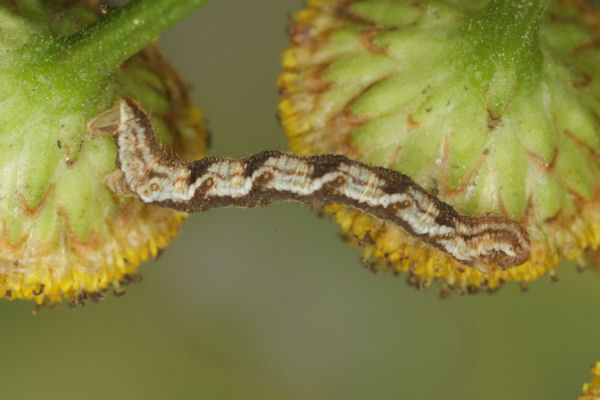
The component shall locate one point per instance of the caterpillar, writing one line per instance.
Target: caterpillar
(156, 177)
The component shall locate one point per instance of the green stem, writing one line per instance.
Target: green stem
(502, 51)
(95, 51)
(507, 29)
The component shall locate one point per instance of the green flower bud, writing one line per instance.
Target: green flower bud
(65, 235)
(491, 106)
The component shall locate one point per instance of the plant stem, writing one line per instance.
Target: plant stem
(507, 28)
(95, 51)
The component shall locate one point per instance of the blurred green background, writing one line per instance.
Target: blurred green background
(271, 304)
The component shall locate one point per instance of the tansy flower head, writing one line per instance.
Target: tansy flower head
(65, 235)
(591, 391)
(491, 106)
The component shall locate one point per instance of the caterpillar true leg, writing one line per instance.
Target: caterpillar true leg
(271, 176)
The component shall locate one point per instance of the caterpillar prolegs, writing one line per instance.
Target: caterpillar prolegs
(272, 176)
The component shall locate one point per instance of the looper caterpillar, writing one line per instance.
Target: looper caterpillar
(271, 176)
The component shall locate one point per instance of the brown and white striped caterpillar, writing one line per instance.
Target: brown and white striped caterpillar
(272, 176)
